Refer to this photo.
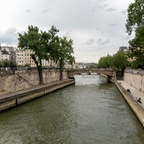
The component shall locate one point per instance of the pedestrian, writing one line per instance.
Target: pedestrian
(128, 90)
(139, 100)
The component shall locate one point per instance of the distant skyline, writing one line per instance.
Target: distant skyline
(97, 27)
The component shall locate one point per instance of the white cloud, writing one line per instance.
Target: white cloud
(97, 27)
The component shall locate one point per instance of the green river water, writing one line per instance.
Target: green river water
(90, 112)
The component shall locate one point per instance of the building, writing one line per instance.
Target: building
(5, 55)
(123, 48)
(20, 57)
(7, 52)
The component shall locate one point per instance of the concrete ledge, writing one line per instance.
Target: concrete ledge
(14, 99)
(139, 112)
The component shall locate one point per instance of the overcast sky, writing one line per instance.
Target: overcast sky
(97, 27)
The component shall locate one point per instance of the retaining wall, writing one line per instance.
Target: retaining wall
(25, 79)
(135, 78)
(17, 98)
(137, 109)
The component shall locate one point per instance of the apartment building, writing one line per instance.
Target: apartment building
(5, 55)
(20, 57)
(27, 58)
(23, 57)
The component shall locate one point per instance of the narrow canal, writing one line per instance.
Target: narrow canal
(90, 112)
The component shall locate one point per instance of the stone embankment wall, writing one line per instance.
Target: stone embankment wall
(135, 78)
(17, 98)
(25, 79)
(137, 109)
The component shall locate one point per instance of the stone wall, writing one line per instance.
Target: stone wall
(27, 79)
(135, 78)
(138, 110)
(17, 98)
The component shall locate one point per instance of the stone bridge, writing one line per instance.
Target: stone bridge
(109, 73)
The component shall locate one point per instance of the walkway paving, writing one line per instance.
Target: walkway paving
(134, 91)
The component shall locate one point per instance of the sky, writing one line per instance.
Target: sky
(97, 27)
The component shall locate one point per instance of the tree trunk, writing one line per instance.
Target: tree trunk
(40, 75)
(61, 75)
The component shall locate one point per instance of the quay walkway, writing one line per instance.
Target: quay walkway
(135, 93)
(6, 95)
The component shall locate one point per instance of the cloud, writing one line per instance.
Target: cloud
(69, 34)
(89, 42)
(93, 25)
(28, 10)
(45, 10)
(10, 36)
(103, 42)
(124, 11)
(99, 7)
(111, 9)
(112, 24)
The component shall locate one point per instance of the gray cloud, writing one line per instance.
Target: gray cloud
(45, 10)
(112, 24)
(69, 34)
(28, 10)
(99, 7)
(124, 11)
(82, 21)
(103, 42)
(10, 36)
(89, 42)
(111, 9)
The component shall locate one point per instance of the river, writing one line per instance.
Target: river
(90, 112)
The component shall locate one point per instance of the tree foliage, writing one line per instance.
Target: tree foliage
(36, 41)
(7, 63)
(62, 53)
(118, 61)
(46, 45)
(135, 23)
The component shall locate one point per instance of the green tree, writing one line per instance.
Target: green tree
(118, 61)
(105, 62)
(12, 63)
(6, 63)
(36, 41)
(27, 65)
(62, 53)
(1, 64)
(101, 63)
(135, 23)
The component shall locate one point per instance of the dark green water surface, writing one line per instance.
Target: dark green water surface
(90, 112)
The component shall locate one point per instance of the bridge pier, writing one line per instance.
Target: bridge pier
(109, 78)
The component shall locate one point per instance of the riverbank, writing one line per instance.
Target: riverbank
(13, 99)
(131, 98)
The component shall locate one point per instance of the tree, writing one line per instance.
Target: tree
(105, 62)
(1, 64)
(135, 23)
(62, 52)
(46, 45)
(37, 42)
(118, 61)
(6, 63)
